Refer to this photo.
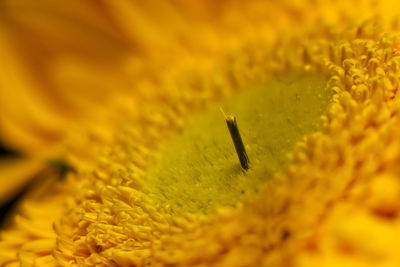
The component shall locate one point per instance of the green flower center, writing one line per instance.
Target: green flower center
(200, 169)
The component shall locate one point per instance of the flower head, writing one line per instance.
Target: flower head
(128, 77)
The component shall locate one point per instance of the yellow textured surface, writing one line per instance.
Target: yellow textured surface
(336, 205)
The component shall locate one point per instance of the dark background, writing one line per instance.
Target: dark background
(6, 207)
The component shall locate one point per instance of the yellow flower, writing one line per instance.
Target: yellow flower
(106, 83)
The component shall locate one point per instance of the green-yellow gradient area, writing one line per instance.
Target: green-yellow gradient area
(200, 170)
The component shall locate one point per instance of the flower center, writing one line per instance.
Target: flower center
(199, 170)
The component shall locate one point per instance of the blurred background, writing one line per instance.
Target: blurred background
(5, 207)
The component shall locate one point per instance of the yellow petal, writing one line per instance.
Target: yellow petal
(15, 174)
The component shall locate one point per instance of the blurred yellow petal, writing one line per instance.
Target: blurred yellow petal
(22, 103)
(15, 174)
(37, 54)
